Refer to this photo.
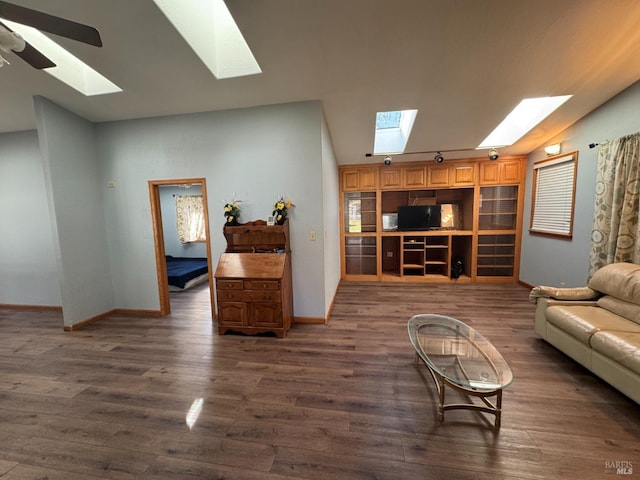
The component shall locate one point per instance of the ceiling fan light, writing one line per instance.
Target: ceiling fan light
(11, 41)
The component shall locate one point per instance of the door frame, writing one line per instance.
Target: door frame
(158, 238)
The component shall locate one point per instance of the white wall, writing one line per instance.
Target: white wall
(254, 154)
(173, 246)
(28, 272)
(552, 261)
(331, 219)
(72, 179)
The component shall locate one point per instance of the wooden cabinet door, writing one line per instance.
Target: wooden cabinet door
(266, 315)
(368, 178)
(232, 314)
(350, 180)
(438, 176)
(390, 178)
(414, 177)
(510, 172)
(501, 172)
(359, 179)
(489, 173)
(464, 175)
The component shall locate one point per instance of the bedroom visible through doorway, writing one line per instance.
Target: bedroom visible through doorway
(182, 246)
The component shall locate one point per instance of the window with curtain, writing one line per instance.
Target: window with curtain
(616, 232)
(190, 218)
(554, 183)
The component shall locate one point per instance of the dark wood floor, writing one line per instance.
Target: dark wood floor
(339, 401)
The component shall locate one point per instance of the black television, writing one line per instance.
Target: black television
(419, 217)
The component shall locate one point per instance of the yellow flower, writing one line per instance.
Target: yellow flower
(288, 203)
(227, 208)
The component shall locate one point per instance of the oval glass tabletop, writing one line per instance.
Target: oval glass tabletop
(458, 352)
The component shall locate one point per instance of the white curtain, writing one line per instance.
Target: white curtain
(190, 218)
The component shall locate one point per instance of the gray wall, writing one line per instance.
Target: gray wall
(28, 271)
(103, 237)
(253, 154)
(551, 261)
(72, 177)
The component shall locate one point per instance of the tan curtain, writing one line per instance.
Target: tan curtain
(615, 236)
(190, 218)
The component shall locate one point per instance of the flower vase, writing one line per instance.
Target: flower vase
(232, 223)
(281, 221)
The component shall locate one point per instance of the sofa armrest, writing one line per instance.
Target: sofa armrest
(542, 303)
(562, 293)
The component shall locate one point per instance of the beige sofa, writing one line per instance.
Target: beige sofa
(597, 325)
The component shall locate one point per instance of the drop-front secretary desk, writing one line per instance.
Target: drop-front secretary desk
(253, 279)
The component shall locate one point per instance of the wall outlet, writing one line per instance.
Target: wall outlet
(312, 236)
(111, 184)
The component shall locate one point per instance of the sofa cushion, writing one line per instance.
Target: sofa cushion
(621, 347)
(582, 321)
(620, 280)
(627, 310)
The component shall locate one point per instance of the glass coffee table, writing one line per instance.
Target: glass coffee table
(459, 357)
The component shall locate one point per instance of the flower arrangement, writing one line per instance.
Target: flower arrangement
(232, 211)
(280, 209)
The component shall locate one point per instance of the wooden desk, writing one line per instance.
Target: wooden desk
(254, 293)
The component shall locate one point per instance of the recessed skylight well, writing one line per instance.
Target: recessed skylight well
(527, 114)
(392, 131)
(210, 30)
(69, 69)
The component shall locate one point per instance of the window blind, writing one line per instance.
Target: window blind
(553, 196)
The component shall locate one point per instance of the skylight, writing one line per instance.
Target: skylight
(210, 30)
(527, 114)
(392, 131)
(69, 69)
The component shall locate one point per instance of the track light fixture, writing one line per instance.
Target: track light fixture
(387, 160)
(493, 154)
(438, 158)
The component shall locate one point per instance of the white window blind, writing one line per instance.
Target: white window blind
(553, 196)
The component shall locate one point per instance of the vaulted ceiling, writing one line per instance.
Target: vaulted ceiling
(464, 64)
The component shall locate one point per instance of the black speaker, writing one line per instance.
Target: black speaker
(457, 268)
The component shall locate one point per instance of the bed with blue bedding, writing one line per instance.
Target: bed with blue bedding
(183, 272)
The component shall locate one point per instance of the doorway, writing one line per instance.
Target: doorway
(159, 242)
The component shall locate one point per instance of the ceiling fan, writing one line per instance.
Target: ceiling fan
(11, 41)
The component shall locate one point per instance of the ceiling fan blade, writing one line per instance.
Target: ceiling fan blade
(50, 23)
(34, 58)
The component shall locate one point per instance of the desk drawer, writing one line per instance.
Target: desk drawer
(248, 296)
(229, 284)
(233, 296)
(265, 297)
(262, 284)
